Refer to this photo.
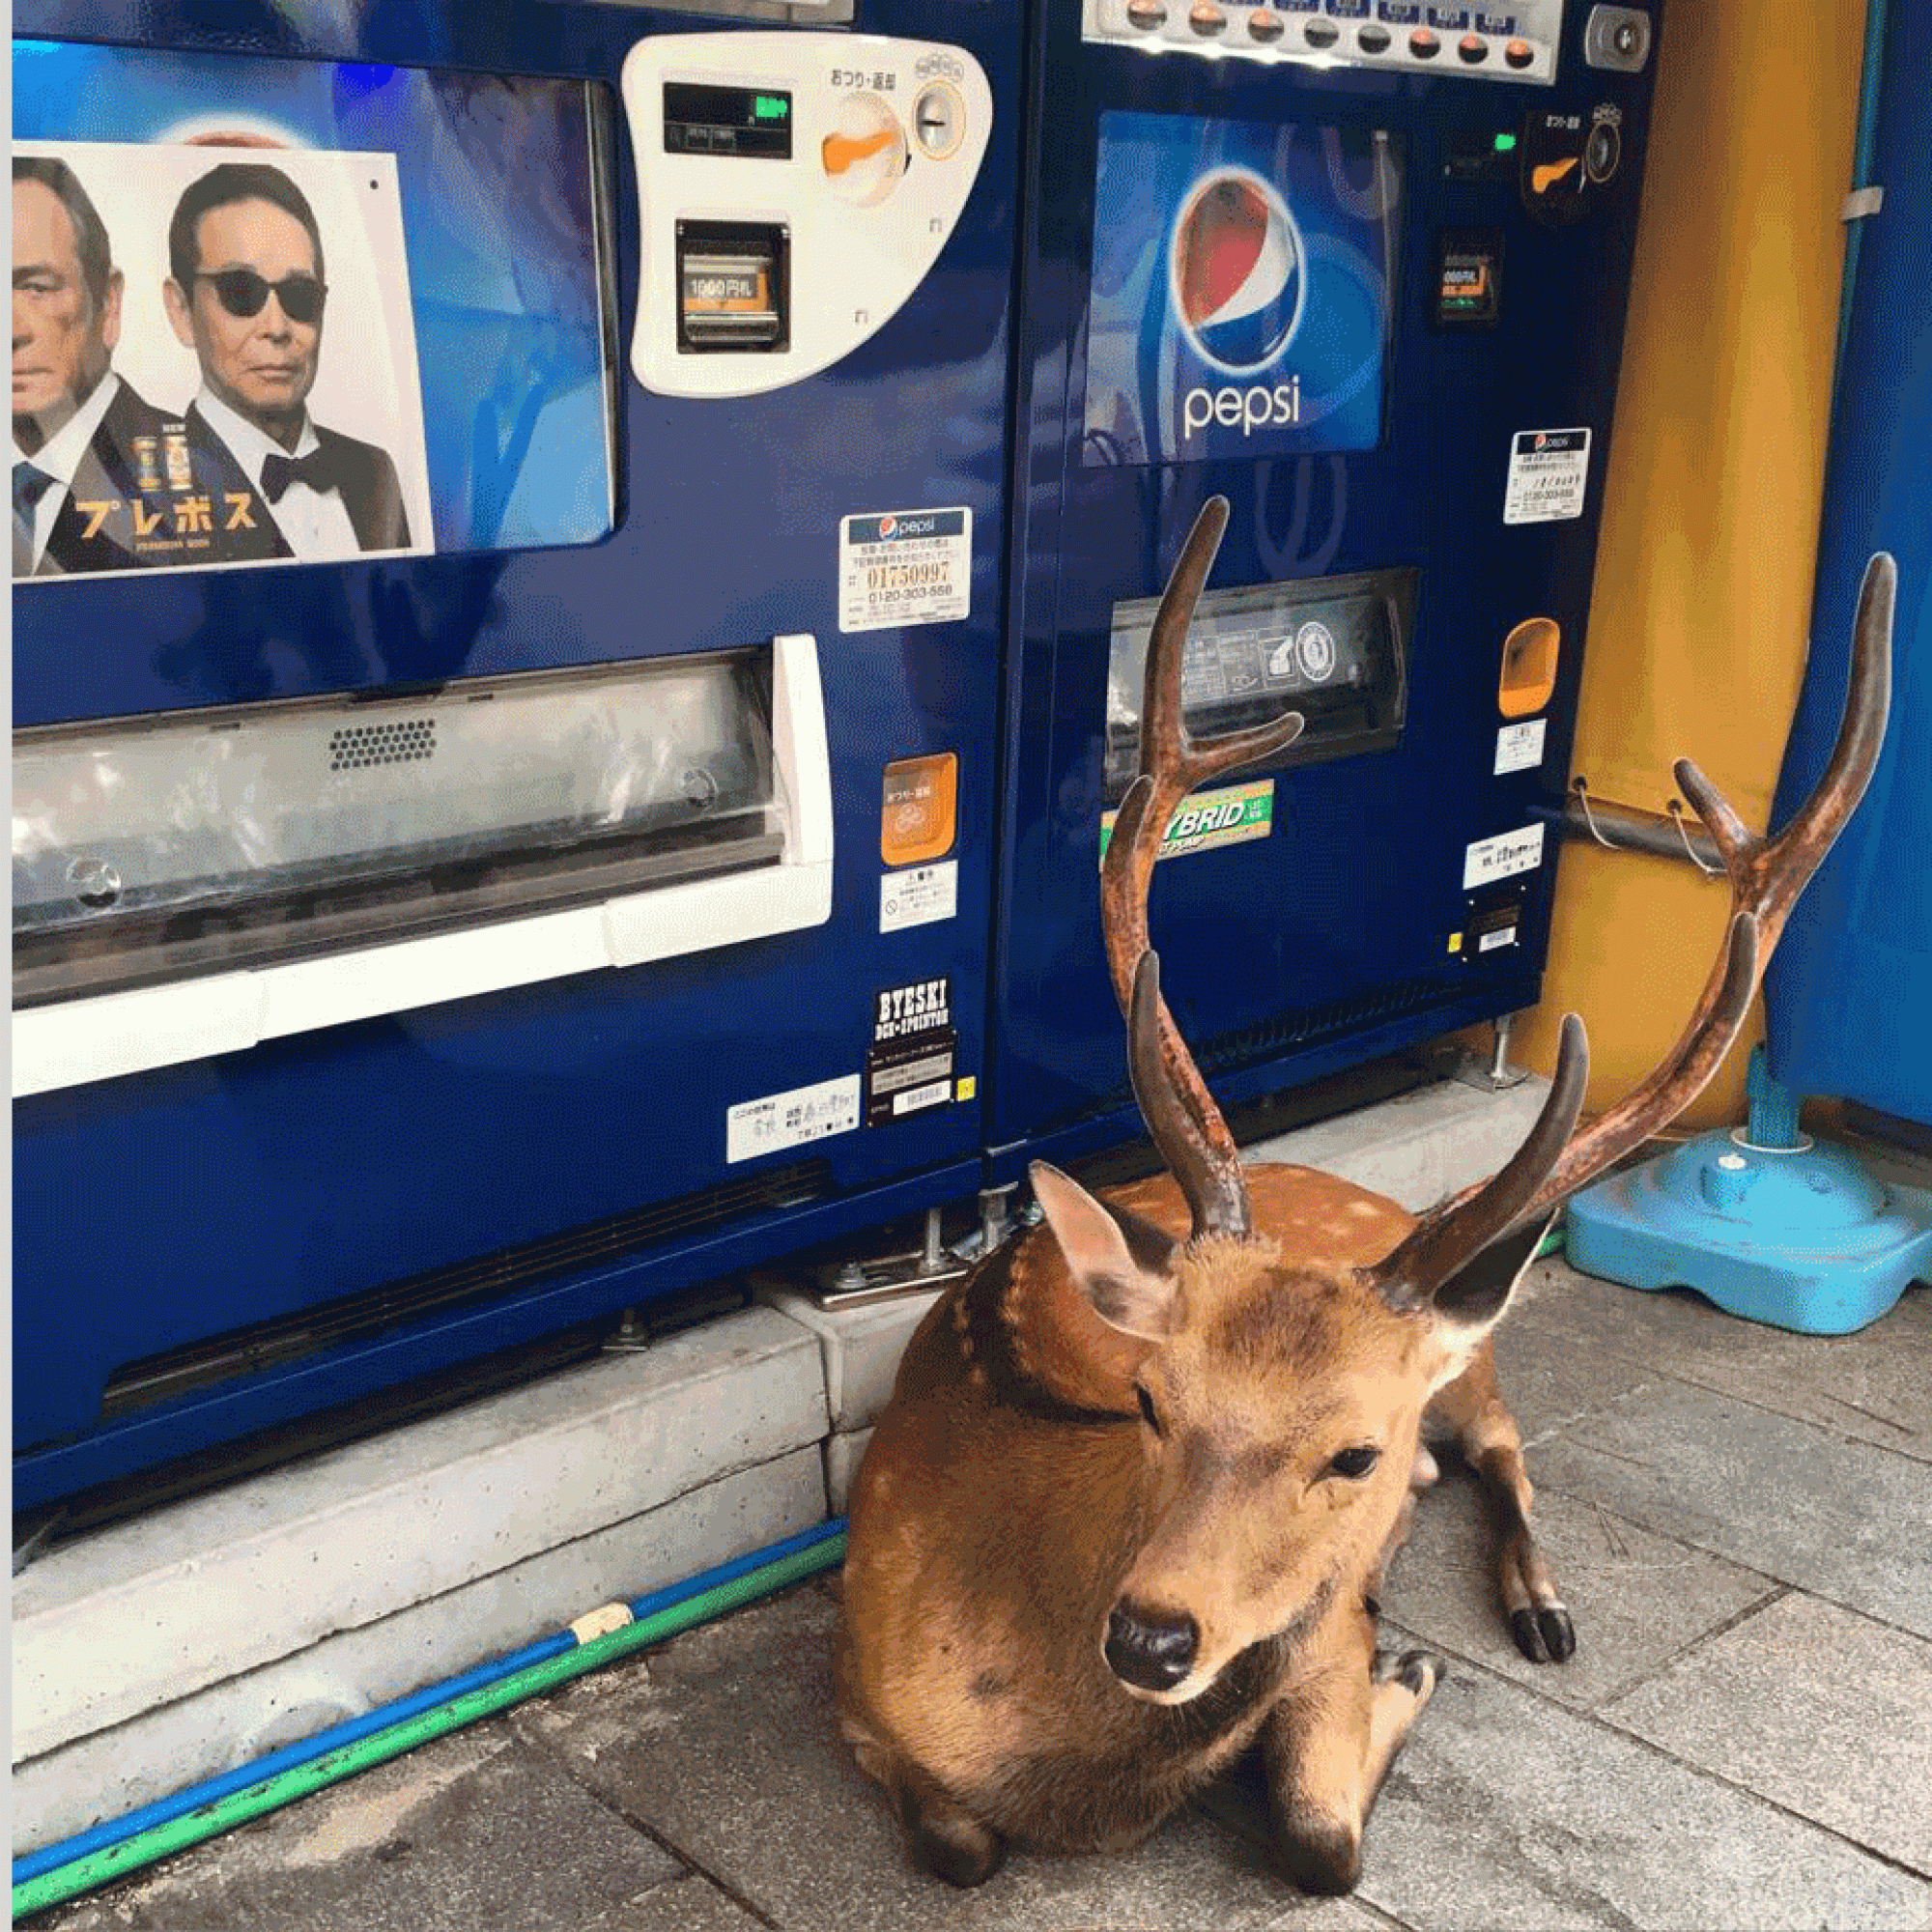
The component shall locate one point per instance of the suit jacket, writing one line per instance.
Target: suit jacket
(108, 472)
(371, 492)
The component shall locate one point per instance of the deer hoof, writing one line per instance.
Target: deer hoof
(1545, 1636)
(1418, 1671)
(962, 1854)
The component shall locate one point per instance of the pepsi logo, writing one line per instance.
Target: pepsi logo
(887, 526)
(1235, 270)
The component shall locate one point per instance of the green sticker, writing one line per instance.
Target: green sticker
(1207, 820)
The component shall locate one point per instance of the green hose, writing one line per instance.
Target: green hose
(68, 1880)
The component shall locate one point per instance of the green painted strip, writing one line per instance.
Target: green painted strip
(161, 1841)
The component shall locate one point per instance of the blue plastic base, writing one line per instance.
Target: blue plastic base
(1800, 1238)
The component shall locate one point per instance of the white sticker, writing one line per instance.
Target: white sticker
(902, 567)
(918, 896)
(930, 1096)
(1492, 942)
(1520, 746)
(1500, 858)
(790, 1120)
(1548, 468)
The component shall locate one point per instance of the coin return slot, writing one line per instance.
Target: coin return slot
(1529, 667)
(732, 287)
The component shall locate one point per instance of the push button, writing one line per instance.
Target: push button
(1519, 53)
(1472, 49)
(1206, 20)
(1373, 39)
(1322, 34)
(1266, 26)
(1149, 15)
(1424, 45)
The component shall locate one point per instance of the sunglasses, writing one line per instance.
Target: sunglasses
(241, 292)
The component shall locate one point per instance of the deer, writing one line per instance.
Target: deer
(1121, 1526)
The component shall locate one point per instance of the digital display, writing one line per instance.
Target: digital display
(700, 119)
(1242, 288)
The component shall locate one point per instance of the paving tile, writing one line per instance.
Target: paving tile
(1509, 1814)
(1636, 1598)
(1874, 1386)
(1842, 1519)
(1822, 1710)
(726, 1741)
(477, 1830)
(1558, 1358)
(690, 1904)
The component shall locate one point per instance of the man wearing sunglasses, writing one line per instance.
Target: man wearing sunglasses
(246, 293)
(78, 428)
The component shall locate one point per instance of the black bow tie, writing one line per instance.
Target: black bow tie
(317, 469)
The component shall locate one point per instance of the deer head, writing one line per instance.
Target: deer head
(1280, 1362)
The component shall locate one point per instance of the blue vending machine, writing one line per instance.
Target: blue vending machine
(508, 531)
(1360, 267)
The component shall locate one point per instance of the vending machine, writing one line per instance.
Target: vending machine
(1360, 267)
(507, 558)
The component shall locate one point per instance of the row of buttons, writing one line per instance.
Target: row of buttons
(1266, 27)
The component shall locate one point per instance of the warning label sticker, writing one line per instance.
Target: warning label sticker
(904, 567)
(791, 1120)
(1501, 857)
(918, 896)
(1548, 469)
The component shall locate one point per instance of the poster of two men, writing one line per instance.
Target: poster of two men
(191, 387)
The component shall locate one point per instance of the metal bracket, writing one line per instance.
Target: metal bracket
(1497, 1075)
(854, 1283)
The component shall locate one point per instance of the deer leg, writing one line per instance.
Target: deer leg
(1327, 1747)
(942, 1837)
(1490, 1444)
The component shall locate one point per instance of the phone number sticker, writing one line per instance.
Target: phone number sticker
(902, 567)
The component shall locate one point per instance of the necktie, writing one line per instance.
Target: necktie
(278, 472)
(30, 485)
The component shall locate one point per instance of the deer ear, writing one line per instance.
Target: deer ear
(1120, 1263)
(1473, 1299)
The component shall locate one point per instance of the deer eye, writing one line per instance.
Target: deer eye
(1355, 1463)
(1148, 1415)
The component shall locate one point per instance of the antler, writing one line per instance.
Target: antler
(1767, 875)
(1180, 1113)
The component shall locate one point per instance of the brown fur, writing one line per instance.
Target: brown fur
(1012, 1495)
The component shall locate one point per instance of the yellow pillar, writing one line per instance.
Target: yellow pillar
(1703, 594)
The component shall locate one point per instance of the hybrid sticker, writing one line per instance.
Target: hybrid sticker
(920, 897)
(1229, 816)
(914, 1050)
(1520, 746)
(1239, 303)
(779, 1121)
(1502, 857)
(1548, 473)
(904, 567)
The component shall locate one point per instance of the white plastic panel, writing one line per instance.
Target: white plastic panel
(98, 1038)
(887, 137)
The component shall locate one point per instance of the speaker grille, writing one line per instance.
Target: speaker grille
(400, 740)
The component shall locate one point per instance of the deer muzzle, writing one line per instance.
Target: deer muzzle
(1149, 1649)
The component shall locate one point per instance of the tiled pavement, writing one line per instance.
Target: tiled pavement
(1741, 1520)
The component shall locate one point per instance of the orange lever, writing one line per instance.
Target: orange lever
(841, 150)
(1543, 179)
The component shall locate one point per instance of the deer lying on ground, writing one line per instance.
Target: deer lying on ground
(1127, 1510)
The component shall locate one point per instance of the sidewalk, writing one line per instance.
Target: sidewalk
(1740, 1522)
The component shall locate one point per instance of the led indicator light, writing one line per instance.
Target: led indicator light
(1505, 143)
(770, 107)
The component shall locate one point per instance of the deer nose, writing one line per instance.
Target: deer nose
(1153, 1650)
